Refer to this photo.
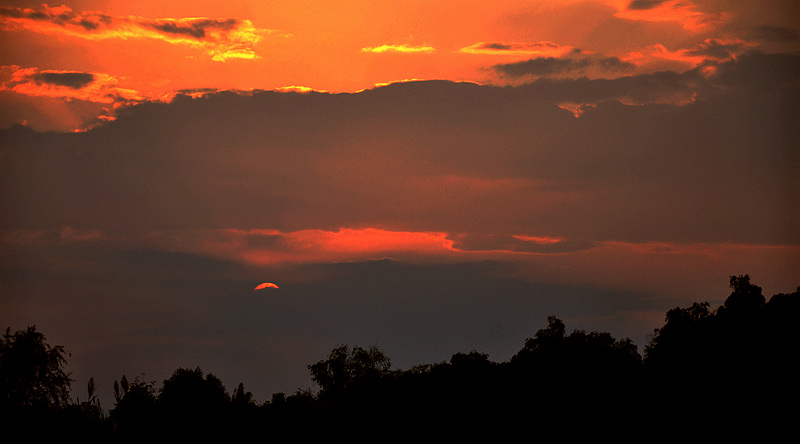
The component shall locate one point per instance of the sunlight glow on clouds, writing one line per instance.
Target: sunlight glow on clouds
(682, 12)
(221, 39)
(402, 48)
(272, 246)
(714, 50)
(299, 89)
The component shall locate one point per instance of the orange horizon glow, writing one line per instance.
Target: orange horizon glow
(347, 244)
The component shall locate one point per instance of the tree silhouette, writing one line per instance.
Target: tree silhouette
(555, 372)
(134, 414)
(554, 352)
(745, 301)
(31, 371)
(241, 397)
(732, 368)
(682, 340)
(191, 405)
(345, 367)
(727, 365)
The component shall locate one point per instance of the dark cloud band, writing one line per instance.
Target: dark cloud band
(74, 80)
(640, 5)
(551, 66)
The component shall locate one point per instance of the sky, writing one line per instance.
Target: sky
(430, 177)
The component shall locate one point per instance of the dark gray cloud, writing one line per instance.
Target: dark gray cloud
(541, 66)
(92, 21)
(496, 46)
(196, 29)
(553, 66)
(614, 64)
(759, 73)
(502, 46)
(74, 80)
(717, 49)
(59, 16)
(645, 4)
(776, 33)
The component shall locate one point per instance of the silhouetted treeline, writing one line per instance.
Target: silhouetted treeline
(707, 373)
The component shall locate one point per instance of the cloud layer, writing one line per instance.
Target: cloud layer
(425, 156)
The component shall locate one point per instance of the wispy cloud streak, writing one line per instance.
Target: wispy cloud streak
(543, 48)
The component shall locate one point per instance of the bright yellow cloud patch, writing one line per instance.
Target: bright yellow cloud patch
(403, 48)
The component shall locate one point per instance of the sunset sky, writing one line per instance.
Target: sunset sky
(430, 177)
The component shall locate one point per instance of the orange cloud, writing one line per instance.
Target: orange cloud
(264, 247)
(403, 48)
(541, 240)
(708, 52)
(684, 12)
(70, 234)
(222, 39)
(270, 247)
(348, 244)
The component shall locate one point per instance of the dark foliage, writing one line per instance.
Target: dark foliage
(31, 373)
(134, 416)
(34, 393)
(707, 373)
(736, 364)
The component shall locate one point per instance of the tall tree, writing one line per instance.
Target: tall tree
(345, 367)
(192, 405)
(31, 371)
